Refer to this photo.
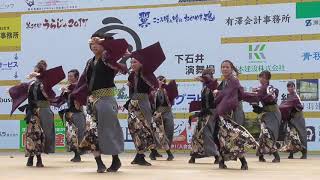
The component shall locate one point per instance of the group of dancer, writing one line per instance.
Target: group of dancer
(220, 118)
(219, 131)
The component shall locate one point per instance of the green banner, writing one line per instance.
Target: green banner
(60, 134)
(308, 9)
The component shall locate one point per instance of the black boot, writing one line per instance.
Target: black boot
(170, 155)
(30, 161)
(244, 164)
(135, 160)
(192, 160)
(76, 157)
(141, 161)
(222, 165)
(116, 164)
(290, 155)
(276, 157)
(153, 154)
(262, 159)
(216, 161)
(158, 154)
(304, 154)
(101, 167)
(39, 161)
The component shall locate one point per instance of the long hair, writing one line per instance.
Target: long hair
(265, 74)
(233, 67)
(41, 66)
(162, 78)
(291, 84)
(208, 71)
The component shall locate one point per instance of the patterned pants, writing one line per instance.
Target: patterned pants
(71, 134)
(197, 142)
(35, 138)
(159, 131)
(292, 141)
(90, 140)
(267, 144)
(139, 128)
(234, 139)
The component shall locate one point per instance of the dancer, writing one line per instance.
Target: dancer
(40, 133)
(203, 144)
(73, 115)
(103, 134)
(141, 82)
(269, 115)
(231, 137)
(163, 117)
(295, 124)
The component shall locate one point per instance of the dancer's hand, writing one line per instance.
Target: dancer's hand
(32, 75)
(95, 40)
(64, 89)
(77, 105)
(198, 78)
(255, 90)
(215, 92)
(127, 53)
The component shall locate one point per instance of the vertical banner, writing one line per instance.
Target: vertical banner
(10, 33)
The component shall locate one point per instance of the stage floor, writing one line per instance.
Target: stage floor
(58, 167)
